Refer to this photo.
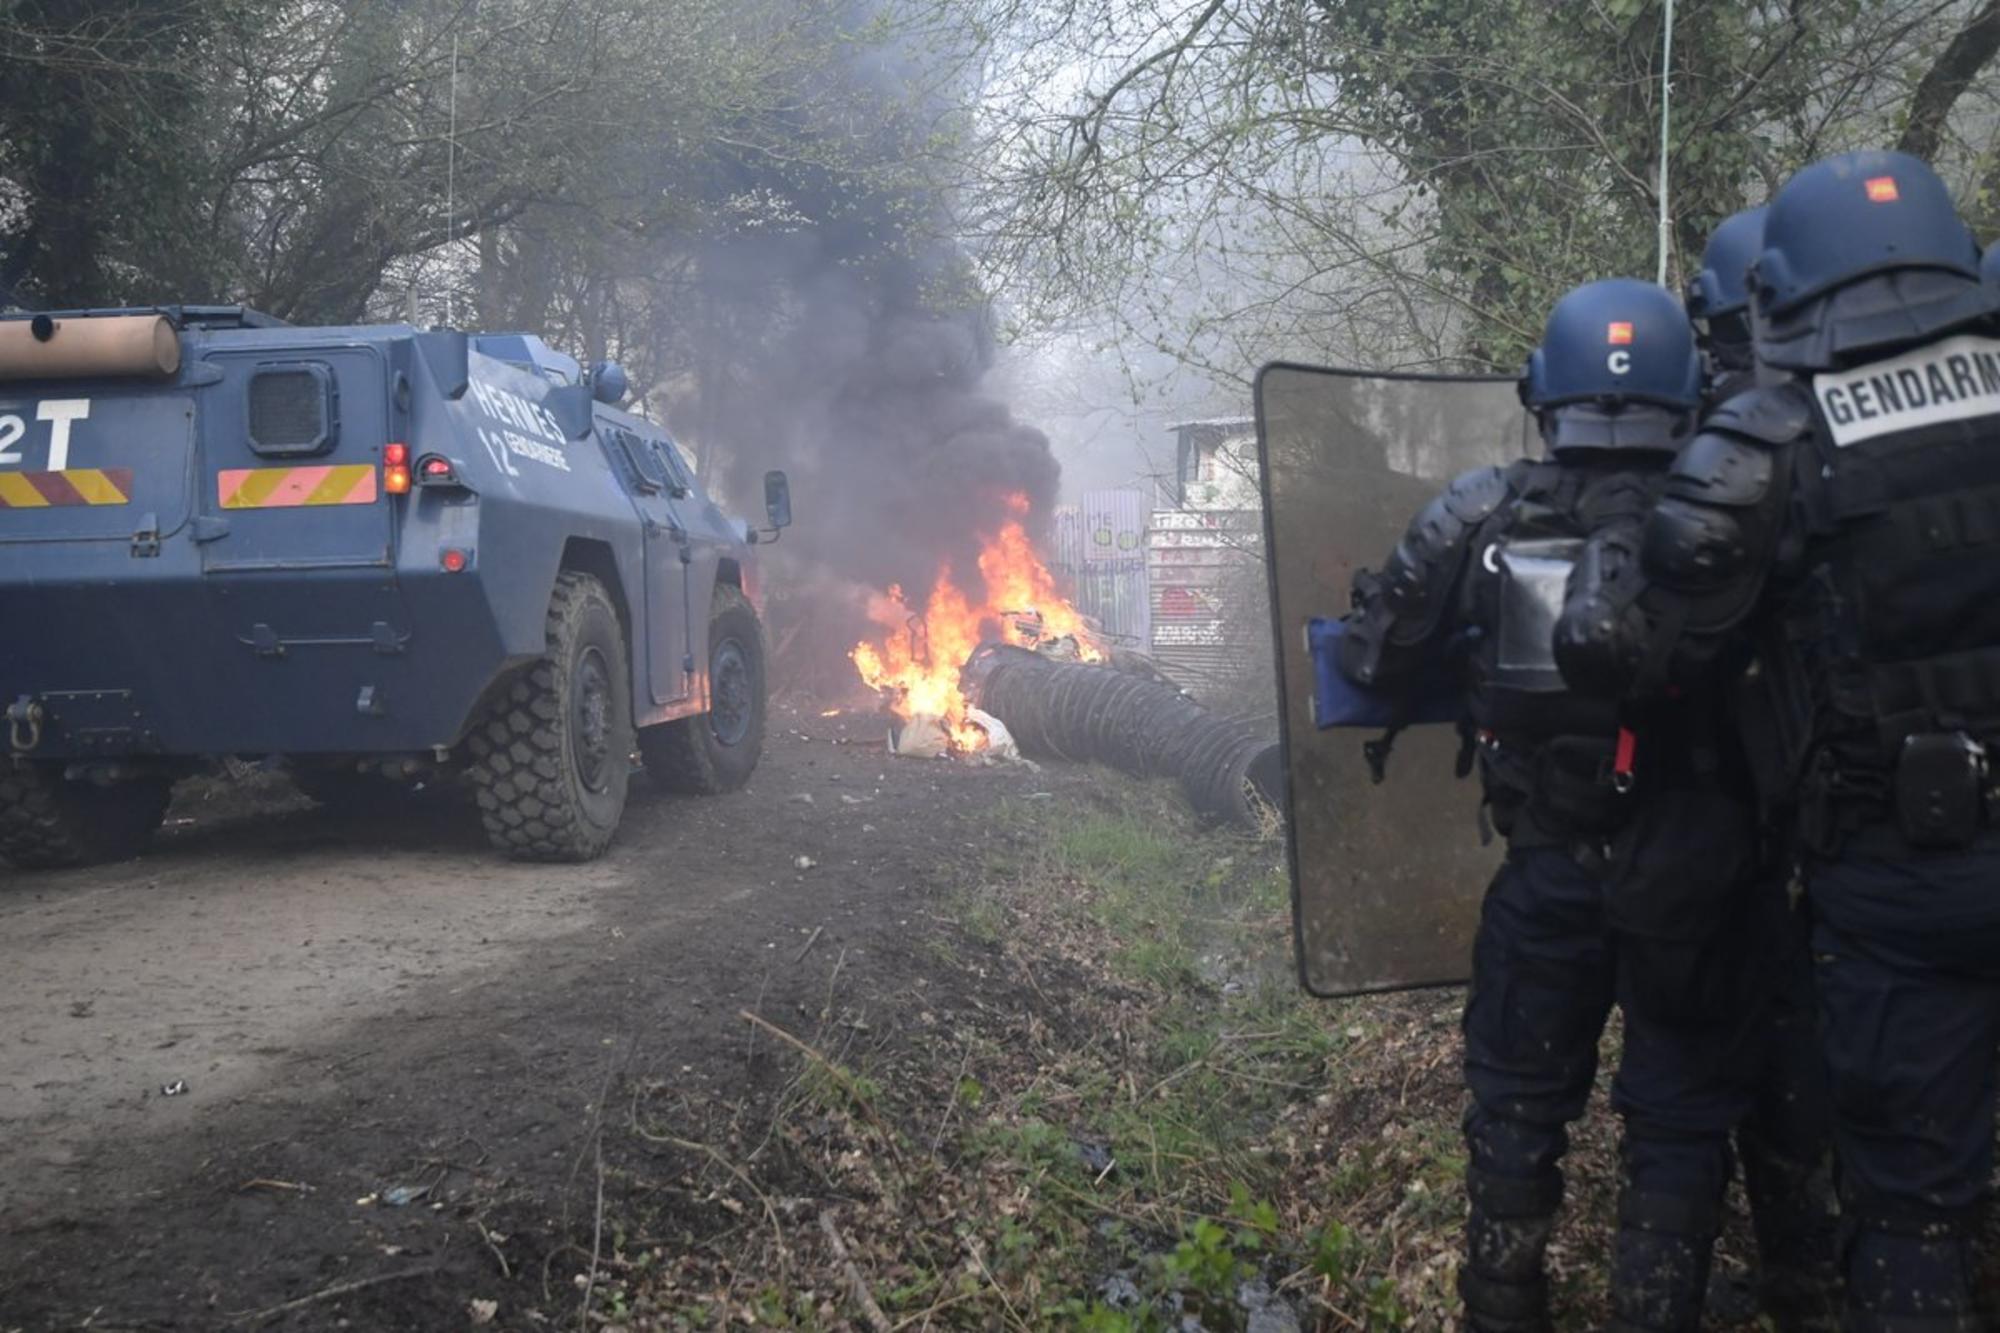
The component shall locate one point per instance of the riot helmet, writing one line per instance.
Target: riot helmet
(1719, 296)
(1862, 253)
(1989, 266)
(1617, 370)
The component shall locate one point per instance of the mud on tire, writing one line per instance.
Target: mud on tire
(551, 758)
(47, 822)
(717, 751)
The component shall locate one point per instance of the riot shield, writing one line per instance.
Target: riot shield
(1386, 879)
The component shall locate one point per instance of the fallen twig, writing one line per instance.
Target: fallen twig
(833, 980)
(951, 1100)
(689, 1145)
(334, 1292)
(487, 1236)
(978, 1253)
(294, 1186)
(810, 941)
(596, 1238)
(593, 1142)
(857, 1286)
(924, 1316)
(750, 1037)
(834, 1071)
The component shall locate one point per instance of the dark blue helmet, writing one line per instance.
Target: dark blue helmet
(1989, 265)
(1723, 285)
(1612, 342)
(1617, 369)
(1851, 216)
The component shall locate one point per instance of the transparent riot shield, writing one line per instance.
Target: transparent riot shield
(1386, 879)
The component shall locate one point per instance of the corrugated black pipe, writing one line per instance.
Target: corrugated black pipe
(1076, 711)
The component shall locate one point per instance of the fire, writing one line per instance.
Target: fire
(915, 657)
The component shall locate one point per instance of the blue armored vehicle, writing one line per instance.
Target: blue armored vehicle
(387, 556)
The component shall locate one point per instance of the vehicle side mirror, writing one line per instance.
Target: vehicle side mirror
(608, 384)
(777, 500)
(570, 405)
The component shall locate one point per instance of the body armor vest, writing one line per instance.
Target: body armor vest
(1894, 627)
(1521, 560)
(1544, 748)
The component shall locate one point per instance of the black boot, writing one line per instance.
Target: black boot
(1506, 1236)
(1908, 1272)
(1659, 1266)
(1861, 1321)
(1792, 1212)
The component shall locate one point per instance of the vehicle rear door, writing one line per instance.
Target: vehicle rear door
(292, 445)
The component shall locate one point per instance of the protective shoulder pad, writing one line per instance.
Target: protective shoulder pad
(1722, 470)
(1438, 533)
(1409, 600)
(1473, 496)
(1769, 414)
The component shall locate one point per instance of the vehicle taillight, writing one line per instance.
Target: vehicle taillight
(437, 470)
(396, 469)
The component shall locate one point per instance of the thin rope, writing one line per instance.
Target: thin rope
(451, 182)
(1666, 98)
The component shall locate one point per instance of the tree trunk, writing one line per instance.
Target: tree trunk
(1948, 78)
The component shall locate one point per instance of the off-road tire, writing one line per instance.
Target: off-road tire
(551, 759)
(717, 751)
(47, 823)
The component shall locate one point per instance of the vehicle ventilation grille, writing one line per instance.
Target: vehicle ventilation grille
(290, 411)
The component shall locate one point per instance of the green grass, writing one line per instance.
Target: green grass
(1154, 1109)
(1200, 919)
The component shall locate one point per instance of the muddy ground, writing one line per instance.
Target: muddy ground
(876, 1044)
(360, 1006)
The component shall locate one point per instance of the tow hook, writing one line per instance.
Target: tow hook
(24, 724)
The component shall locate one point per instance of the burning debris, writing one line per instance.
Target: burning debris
(1018, 672)
(919, 651)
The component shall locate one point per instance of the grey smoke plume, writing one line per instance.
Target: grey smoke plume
(868, 391)
(849, 348)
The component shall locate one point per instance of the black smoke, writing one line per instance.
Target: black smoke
(848, 343)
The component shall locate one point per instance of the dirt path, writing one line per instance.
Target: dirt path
(361, 1005)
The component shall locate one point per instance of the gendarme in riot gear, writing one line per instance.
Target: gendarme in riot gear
(1470, 592)
(1718, 300)
(1479, 578)
(1842, 523)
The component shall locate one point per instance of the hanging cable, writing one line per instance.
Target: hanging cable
(451, 181)
(1666, 98)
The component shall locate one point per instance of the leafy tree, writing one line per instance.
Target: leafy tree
(1412, 182)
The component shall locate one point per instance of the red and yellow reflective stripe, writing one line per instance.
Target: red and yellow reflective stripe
(72, 486)
(291, 487)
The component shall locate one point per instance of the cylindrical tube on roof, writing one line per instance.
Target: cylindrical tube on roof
(87, 347)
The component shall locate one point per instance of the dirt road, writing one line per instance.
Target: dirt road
(364, 1010)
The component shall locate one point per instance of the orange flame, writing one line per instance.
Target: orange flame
(916, 656)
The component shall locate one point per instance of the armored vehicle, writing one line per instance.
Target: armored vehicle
(378, 555)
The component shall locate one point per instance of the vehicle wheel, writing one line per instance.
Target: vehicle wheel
(47, 822)
(717, 751)
(551, 760)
